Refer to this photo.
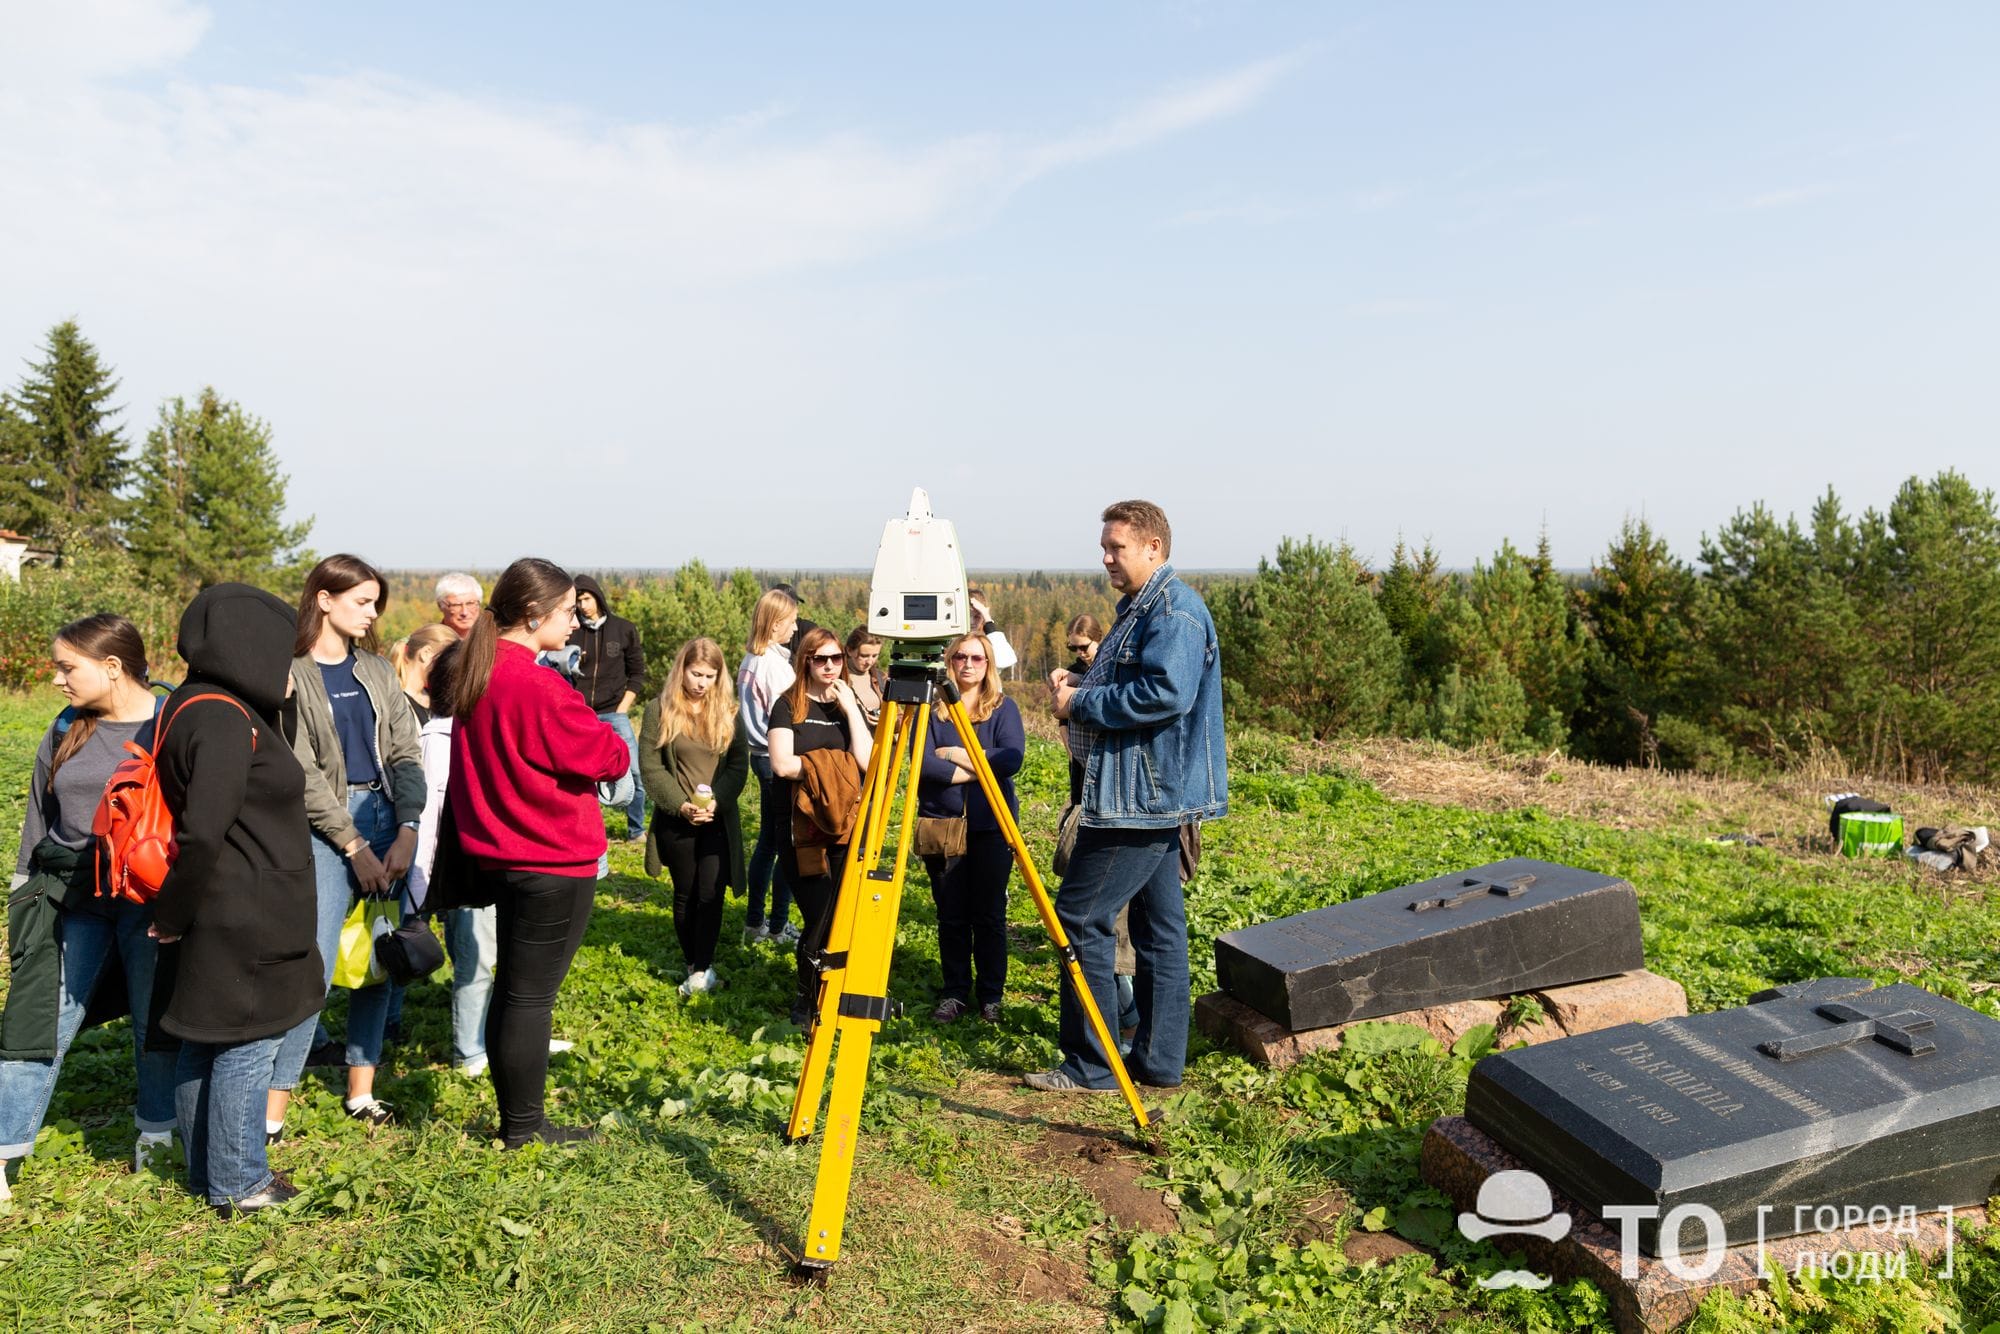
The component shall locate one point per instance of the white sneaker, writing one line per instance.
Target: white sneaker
(473, 1068)
(710, 981)
(152, 1151)
(755, 935)
(557, 1046)
(790, 935)
(696, 982)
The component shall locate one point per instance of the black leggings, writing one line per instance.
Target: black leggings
(815, 896)
(971, 899)
(693, 854)
(540, 924)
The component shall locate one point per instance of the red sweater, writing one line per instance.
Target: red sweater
(524, 768)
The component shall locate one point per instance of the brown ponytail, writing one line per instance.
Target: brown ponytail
(101, 637)
(527, 590)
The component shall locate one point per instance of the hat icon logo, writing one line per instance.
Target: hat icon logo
(1514, 1203)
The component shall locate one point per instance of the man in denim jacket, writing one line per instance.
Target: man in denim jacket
(1146, 723)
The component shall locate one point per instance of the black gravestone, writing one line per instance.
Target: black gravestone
(1823, 1093)
(1491, 931)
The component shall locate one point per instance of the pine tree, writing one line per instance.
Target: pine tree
(65, 461)
(211, 500)
(1643, 605)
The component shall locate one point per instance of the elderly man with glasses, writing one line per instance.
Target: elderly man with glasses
(459, 600)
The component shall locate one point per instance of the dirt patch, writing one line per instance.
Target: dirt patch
(1110, 1172)
(1361, 1247)
(1026, 1273)
(1319, 1217)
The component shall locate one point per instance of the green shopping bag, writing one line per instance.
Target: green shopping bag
(1871, 834)
(354, 963)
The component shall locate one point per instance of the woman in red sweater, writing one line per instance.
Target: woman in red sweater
(527, 753)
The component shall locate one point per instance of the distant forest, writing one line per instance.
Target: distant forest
(1869, 641)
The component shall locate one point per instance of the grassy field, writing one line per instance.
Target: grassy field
(1278, 1201)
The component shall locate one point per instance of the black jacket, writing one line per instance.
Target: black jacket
(612, 661)
(241, 893)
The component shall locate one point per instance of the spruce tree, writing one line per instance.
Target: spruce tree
(211, 500)
(66, 460)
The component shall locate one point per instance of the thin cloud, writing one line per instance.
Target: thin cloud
(49, 44)
(1787, 198)
(1183, 109)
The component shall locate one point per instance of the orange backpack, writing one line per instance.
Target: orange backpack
(134, 829)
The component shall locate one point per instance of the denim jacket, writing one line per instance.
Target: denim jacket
(1156, 761)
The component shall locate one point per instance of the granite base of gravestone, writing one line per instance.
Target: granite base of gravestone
(1824, 1094)
(1583, 1007)
(1647, 1294)
(1495, 930)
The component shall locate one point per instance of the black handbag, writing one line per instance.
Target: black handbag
(456, 880)
(411, 952)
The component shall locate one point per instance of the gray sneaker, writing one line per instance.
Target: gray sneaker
(1055, 1081)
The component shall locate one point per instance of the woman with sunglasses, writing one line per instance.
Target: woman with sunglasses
(818, 716)
(1085, 634)
(970, 891)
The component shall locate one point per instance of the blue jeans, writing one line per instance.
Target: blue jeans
(368, 1008)
(89, 943)
(220, 1099)
(635, 811)
(764, 856)
(1110, 868)
(471, 935)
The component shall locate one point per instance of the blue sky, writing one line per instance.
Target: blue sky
(630, 284)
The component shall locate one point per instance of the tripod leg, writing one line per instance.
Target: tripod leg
(877, 788)
(859, 1009)
(1072, 966)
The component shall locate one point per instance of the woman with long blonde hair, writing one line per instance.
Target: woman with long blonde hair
(694, 755)
(412, 658)
(970, 889)
(767, 673)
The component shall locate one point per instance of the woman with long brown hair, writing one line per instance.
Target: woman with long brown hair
(971, 892)
(527, 753)
(357, 741)
(64, 931)
(694, 755)
(819, 716)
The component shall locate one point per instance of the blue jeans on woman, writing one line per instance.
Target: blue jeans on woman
(764, 856)
(472, 936)
(368, 1007)
(89, 945)
(220, 1098)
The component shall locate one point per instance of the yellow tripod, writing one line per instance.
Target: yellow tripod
(854, 964)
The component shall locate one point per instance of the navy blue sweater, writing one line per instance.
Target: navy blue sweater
(1005, 742)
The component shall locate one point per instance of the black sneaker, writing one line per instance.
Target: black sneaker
(271, 1137)
(327, 1053)
(990, 1012)
(374, 1112)
(551, 1133)
(278, 1192)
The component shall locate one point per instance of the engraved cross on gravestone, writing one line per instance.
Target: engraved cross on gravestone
(1899, 1030)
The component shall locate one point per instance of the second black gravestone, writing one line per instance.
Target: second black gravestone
(1495, 930)
(1823, 1094)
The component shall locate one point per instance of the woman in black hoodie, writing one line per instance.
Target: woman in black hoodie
(240, 900)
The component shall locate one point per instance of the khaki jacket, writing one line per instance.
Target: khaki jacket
(397, 756)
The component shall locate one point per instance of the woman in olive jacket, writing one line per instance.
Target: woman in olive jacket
(240, 899)
(695, 736)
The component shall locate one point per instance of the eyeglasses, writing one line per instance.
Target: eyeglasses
(470, 604)
(968, 657)
(1079, 648)
(829, 657)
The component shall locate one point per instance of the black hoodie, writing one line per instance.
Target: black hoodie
(241, 894)
(612, 662)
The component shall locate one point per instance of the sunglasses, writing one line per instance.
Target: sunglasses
(829, 657)
(968, 657)
(1078, 648)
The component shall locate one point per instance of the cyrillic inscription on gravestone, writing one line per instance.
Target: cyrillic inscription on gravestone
(1817, 1094)
(1494, 930)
